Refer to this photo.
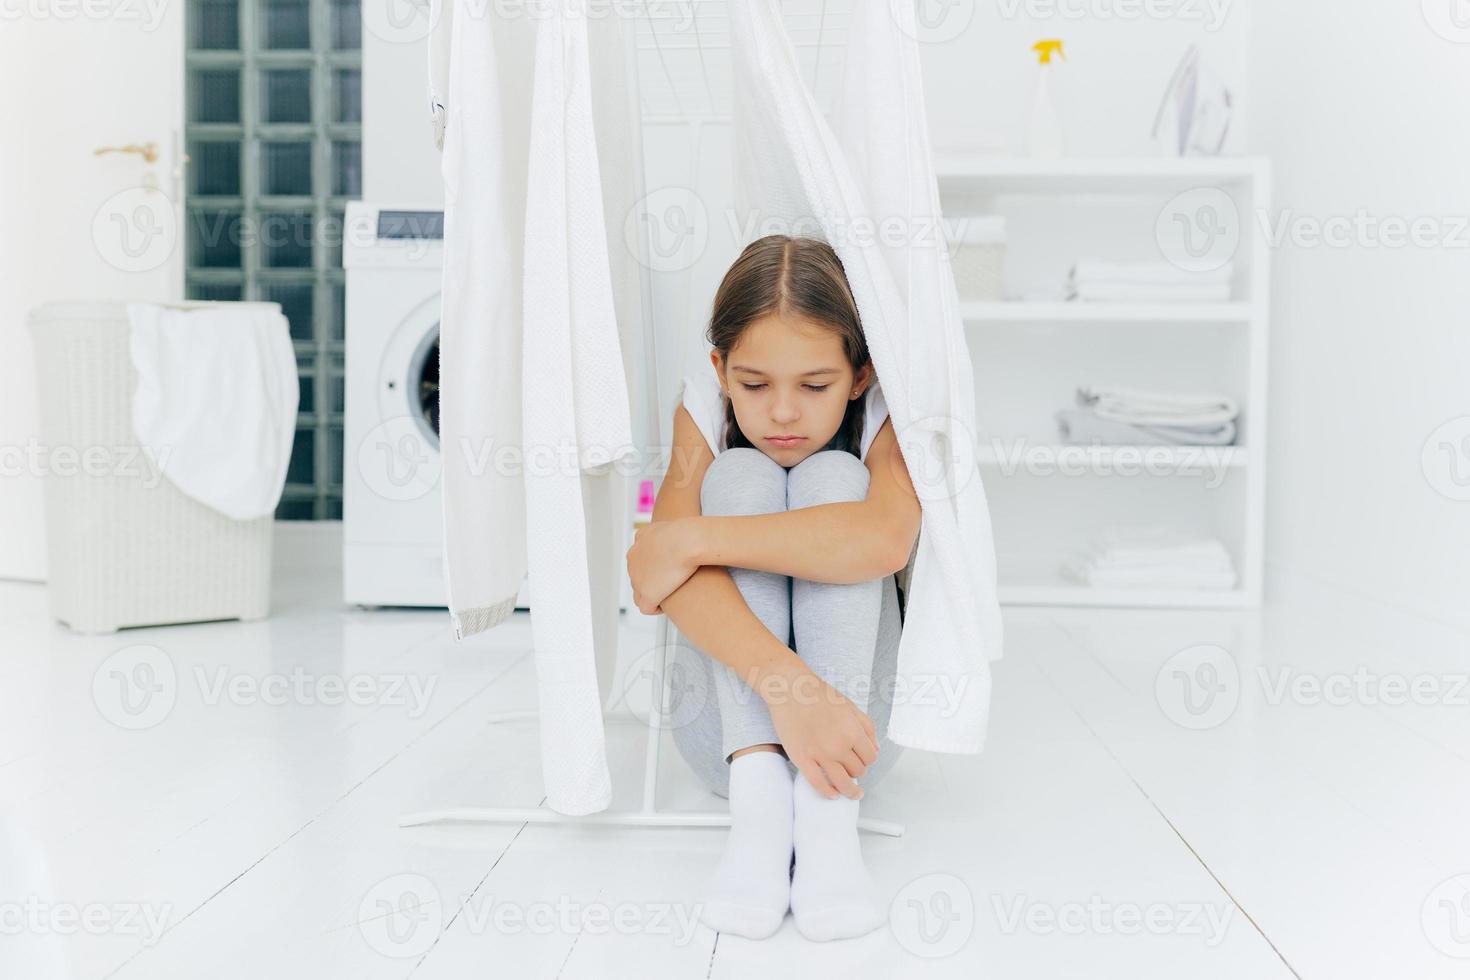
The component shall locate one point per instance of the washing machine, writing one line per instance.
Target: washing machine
(392, 530)
(392, 523)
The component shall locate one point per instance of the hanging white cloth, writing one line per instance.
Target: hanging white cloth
(578, 400)
(531, 357)
(480, 391)
(857, 182)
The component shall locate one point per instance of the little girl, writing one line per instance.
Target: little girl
(778, 548)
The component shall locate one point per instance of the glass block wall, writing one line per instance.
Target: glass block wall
(273, 122)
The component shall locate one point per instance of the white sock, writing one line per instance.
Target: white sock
(832, 894)
(751, 888)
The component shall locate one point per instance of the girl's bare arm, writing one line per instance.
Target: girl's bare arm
(840, 543)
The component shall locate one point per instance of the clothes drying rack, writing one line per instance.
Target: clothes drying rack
(648, 814)
(680, 74)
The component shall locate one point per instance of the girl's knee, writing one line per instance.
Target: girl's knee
(743, 481)
(745, 457)
(828, 477)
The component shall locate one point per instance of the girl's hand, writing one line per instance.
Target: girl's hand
(661, 559)
(827, 737)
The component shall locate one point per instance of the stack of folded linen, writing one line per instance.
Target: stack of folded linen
(1152, 557)
(1099, 280)
(1110, 415)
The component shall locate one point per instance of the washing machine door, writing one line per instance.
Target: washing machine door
(408, 377)
(421, 385)
(393, 430)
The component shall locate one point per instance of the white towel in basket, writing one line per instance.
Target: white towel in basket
(215, 406)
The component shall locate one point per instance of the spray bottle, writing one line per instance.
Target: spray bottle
(1045, 138)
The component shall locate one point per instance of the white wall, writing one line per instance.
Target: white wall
(400, 165)
(979, 72)
(73, 77)
(1371, 348)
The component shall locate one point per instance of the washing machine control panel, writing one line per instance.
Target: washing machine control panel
(399, 225)
(376, 236)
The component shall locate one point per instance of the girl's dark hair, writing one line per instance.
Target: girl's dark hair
(791, 276)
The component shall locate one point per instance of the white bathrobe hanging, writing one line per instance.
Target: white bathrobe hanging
(869, 189)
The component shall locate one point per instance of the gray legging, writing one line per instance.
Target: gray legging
(848, 634)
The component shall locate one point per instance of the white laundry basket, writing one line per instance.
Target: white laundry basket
(125, 546)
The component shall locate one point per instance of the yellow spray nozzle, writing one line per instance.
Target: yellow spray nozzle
(1045, 48)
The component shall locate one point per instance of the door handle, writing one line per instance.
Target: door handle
(148, 151)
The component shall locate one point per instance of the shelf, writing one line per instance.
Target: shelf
(1020, 311)
(1184, 459)
(1081, 175)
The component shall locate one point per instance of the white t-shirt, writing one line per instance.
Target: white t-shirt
(701, 395)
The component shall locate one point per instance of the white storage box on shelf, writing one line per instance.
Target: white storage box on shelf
(124, 545)
(978, 254)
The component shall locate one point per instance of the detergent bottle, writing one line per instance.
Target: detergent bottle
(1045, 138)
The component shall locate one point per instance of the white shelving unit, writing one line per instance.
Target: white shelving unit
(1047, 498)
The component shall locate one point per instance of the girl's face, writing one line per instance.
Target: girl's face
(788, 376)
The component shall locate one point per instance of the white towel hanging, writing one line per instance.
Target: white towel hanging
(480, 321)
(531, 358)
(576, 397)
(877, 167)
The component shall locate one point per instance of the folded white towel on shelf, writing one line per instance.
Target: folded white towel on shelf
(1144, 407)
(1083, 427)
(215, 406)
(1157, 578)
(1108, 281)
(1156, 273)
(1152, 556)
(1159, 545)
(1135, 292)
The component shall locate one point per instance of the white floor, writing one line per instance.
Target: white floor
(1139, 812)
